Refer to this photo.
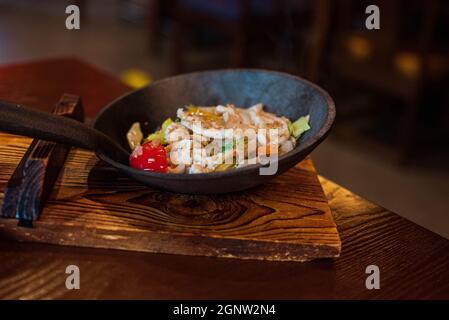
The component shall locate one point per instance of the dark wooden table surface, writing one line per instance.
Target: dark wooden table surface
(413, 262)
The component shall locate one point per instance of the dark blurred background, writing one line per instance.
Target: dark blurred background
(390, 143)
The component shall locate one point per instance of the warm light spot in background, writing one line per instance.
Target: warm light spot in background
(408, 64)
(135, 78)
(359, 47)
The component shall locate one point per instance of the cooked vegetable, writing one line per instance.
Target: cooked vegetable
(225, 166)
(156, 136)
(149, 157)
(227, 146)
(134, 135)
(300, 126)
(159, 136)
(164, 126)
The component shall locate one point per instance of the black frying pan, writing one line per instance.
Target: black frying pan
(283, 94)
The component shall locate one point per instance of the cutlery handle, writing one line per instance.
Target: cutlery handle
(34, 177)
(20, 120)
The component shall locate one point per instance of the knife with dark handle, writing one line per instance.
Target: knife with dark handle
(32, 181)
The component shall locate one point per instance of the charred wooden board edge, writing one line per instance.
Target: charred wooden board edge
(169, 243)
(31, 183)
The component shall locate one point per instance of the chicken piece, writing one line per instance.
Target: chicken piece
(181, 168)
(180, 152)
(175, 132)
(196, 168)
(287, 146)
(198, 128)
(213, 122)
(265, 120)
(247, 162)
(232, 117)
(227, 157)
(200, 156)
(205, 115)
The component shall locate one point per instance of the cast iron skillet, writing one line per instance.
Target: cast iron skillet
(280, 93)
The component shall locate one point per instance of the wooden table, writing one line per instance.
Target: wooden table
(413, 262)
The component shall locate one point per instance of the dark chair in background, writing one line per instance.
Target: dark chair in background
(402, 60)
(235, 20)
(230, 18)
(290, 33)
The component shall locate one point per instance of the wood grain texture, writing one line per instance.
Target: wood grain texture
(414, 262)
(34, 177)
(95, 206)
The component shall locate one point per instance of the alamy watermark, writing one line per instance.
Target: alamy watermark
(73, 280)
(372, 22)
(373, 280)
(72, 22)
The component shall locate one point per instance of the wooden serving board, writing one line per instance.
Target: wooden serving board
(93, 205)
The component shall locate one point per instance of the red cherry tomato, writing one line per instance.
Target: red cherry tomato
(149, 157)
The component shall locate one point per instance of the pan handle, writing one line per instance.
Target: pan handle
(21, 120)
